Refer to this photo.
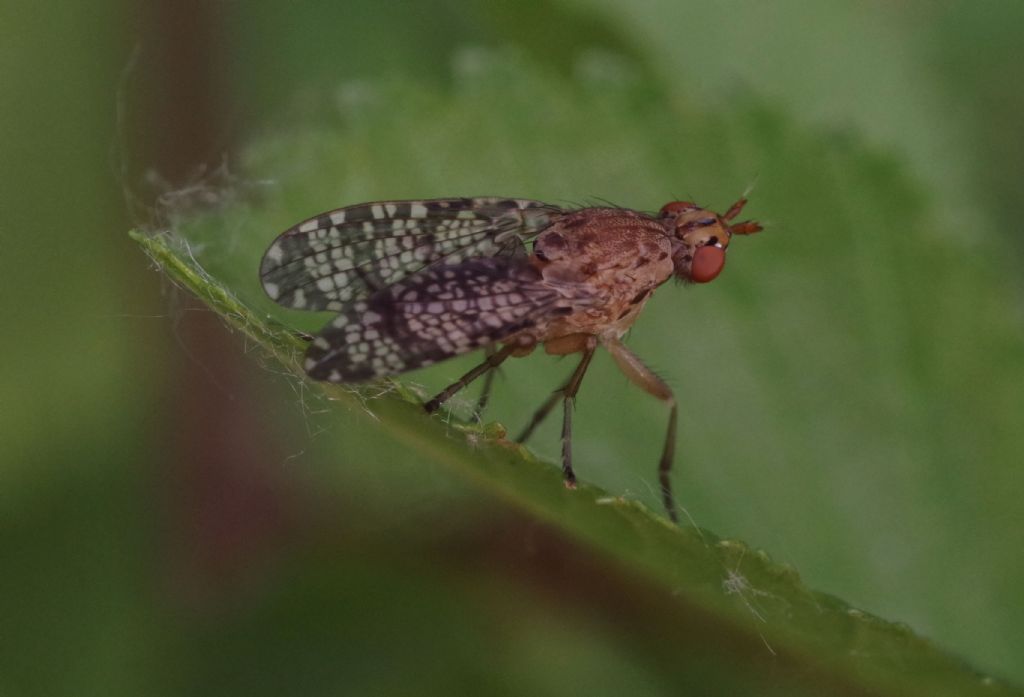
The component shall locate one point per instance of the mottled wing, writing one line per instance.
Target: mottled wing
(336, 258)
(440, 312)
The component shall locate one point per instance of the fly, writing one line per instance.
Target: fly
(418, 282)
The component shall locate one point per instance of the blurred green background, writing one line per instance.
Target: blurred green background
(175, 517)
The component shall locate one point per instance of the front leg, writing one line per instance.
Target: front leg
(645, 378)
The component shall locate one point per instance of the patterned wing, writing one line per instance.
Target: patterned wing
(336, 258)
(440, 312)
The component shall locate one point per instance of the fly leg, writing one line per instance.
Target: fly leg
(492, 361)
(569, 397)
(562, 346)
(485, 393)
(540, 415)
(566, 393)
(642, 376)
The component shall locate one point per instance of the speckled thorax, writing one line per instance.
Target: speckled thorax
(614, 258)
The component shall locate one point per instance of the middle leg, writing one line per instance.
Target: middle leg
(540, 415)
(567, 393)
(569, 399)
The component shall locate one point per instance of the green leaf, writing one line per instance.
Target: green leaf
(813, 301)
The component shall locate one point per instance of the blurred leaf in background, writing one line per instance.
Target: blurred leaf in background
(174, 517)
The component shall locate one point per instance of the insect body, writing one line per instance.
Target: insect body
(416, 282)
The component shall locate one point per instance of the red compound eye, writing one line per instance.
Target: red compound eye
(676, 207)
(707, 264)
